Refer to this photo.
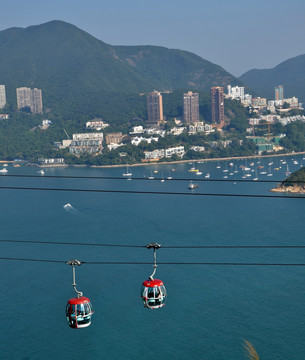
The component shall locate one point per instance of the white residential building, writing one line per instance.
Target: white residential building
(247, 100)
(91, 143)
(176, 130)
(154, 155)
(2, 96)
(236, 92)
(137, 140)
(96, 124)
(178, 150)
(161, 153)
(137, 130)
(200, 127)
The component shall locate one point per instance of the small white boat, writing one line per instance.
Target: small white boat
(198, 173)
(263, 172)
(231, 164)
(295, 162)
(41, 172)
(255, 179)
(207, 176)
(3, 171)
(5, 165)
(128, 172)
(169, 178)
(225, 177)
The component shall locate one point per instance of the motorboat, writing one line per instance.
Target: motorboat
(192, 186)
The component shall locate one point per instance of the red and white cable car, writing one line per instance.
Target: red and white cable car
(153, 292)
(78, 309)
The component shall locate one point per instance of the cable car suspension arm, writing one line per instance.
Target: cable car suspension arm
(73, 263)
(154, 246)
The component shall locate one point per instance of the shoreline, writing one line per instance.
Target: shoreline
(290, 189)
(195, 161)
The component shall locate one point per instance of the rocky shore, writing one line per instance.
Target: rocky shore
(296, 189)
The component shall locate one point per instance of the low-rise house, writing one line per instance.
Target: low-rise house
(96, 124)
(197, 148)
(176, 130)
(114, 138)
(161, 153)
(137, 140)
(137, 130)
(51, 161)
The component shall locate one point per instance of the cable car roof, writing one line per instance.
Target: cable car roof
(152, 283)
(79, 301)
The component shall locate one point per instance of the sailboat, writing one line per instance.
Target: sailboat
(218, 166)
(287, 170)
(270, 173)
(128, 172)
(256, 177)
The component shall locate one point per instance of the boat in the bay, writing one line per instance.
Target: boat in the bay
(192, 186)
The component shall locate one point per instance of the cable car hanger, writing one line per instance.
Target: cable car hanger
(154, 246)
(73, 263)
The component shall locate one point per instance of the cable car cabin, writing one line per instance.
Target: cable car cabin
(153, 293)
(79, 312)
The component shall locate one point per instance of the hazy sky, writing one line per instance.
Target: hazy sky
(238, 35)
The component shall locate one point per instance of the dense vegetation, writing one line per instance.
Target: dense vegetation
(21, 136)
(290, 73)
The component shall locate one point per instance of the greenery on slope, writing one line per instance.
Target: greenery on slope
(20, 136)
(295, 179)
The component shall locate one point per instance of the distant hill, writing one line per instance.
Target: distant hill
(68, 63)
(290, 74)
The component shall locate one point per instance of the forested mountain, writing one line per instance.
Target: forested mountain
(68, 63)
(290, 74)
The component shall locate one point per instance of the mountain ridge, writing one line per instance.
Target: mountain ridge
(289, 73)
(65, 61)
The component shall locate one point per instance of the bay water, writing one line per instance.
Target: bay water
(210, 310)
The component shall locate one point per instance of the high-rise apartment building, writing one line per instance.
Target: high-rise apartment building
(217, 105)
(2, 96)
(191, 107)
(29, 98)
(279, 92)
(36, 101)
(154, 107)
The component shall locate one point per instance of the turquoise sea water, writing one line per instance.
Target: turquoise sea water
(210, 309)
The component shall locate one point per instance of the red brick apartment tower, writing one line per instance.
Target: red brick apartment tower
(217, 105)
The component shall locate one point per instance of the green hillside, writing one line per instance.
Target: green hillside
(68, 64)
(290, 74)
